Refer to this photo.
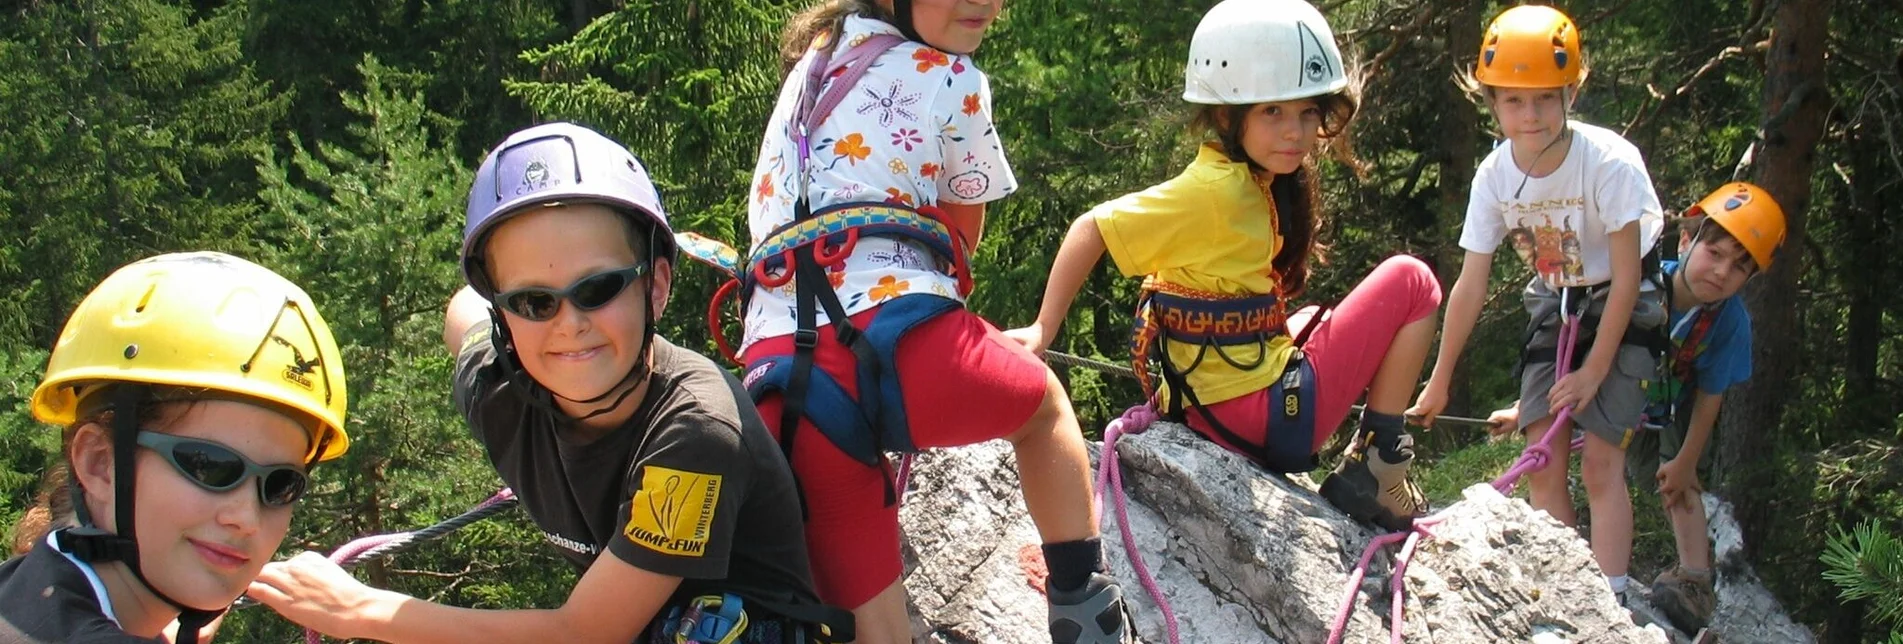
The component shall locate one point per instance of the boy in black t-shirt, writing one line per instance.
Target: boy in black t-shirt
(615, 440)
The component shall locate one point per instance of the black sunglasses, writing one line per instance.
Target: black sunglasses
(538, 304)
(221, 469)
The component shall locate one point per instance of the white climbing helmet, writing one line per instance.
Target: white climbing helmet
(1260, 51)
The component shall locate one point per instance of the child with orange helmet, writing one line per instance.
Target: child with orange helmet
(1579, 206)
(1725, 239)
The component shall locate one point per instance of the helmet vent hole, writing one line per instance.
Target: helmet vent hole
(132, 351)
(1225, 64)
(145, 300)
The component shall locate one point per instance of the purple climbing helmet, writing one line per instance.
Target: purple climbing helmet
(557, 163)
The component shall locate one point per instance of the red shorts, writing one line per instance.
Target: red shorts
(1345, 349)
(963, 382)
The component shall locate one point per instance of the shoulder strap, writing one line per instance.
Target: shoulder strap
(815, 107)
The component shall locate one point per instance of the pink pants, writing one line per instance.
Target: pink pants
(1345, 350)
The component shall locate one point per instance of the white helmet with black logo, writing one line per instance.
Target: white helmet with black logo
(1260, 51)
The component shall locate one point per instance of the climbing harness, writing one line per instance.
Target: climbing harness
(799, 254)
(1214, 322)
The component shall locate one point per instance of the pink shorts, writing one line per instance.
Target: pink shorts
(1345, 350)
(964, 382)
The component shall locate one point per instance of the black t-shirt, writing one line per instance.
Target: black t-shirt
(45, 598)
(691, 486)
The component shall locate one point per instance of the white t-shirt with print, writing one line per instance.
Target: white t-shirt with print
(915, 131)
(1559, 223)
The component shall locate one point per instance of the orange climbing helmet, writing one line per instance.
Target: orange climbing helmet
(1749, 214)
(1530, 46)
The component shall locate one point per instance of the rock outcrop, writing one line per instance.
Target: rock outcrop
(1245, 556)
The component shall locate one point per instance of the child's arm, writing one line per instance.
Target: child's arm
(1463, 310)
(611, 603)
(1078, 255)
(969, 219)
(466, 310)
(1578, 388)
(1679, 476)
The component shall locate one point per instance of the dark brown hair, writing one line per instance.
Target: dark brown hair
(829, 16)
(1296, 196)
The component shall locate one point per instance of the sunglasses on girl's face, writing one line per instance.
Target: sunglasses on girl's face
(538, 304)
(221, 469)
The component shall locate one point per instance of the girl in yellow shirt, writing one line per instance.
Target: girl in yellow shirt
(1224, 245)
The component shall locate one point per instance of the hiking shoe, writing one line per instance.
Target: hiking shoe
(1686, 598)
(1094, 614)
(1372, 488)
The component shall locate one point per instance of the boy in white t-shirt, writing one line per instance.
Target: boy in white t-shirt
(1576, 204)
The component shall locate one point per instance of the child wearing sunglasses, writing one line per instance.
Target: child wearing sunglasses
(195, 391)
(644, 463)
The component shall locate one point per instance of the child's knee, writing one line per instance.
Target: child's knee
(1420, 278)
(1603, 470)
(1051, 410)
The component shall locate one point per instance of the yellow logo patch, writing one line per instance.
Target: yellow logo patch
(1291, 405)
(673, 511)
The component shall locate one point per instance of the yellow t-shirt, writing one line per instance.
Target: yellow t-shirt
(1210, 229)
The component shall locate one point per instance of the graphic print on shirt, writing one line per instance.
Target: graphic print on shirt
(1553, 251)
(673, 512)
(916, 131)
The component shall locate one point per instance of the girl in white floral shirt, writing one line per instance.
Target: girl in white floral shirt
(913, 134)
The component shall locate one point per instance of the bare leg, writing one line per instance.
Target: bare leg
(1394, 383)
(1611, 505)
(883, 619)
(1689, 529)
(1054, 468)
(1547, 487)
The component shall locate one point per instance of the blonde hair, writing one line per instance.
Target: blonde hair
(829, 16)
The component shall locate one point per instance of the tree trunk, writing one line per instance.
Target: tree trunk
(1796, 100)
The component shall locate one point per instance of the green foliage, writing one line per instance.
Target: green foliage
(130, 128)
(1868, 564)
(148, 126)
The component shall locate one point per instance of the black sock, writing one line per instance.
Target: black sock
(1071, 562)
(1387, 430)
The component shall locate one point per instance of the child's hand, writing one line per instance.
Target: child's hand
(1677, 479)
(1503, 421)
(1576, 389)
(317, 594)
(1032, 337)
(1428, 406)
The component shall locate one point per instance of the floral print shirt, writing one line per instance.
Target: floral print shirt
(916, 131)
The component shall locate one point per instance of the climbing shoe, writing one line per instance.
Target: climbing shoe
(1687, 598)
(1371, 484)
(1093, 614)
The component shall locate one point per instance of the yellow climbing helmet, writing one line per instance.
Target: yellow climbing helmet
(1749, 214)
(1530, 46)
(205, 321)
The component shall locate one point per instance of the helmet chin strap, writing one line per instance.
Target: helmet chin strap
(95, 545)
(902, 10)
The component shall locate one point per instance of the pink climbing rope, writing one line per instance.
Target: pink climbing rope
(1535, 457)
(904, 476)
(1136, 420)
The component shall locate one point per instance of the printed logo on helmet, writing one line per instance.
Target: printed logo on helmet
(298, 372)
(1315, 67)
(535, 177)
